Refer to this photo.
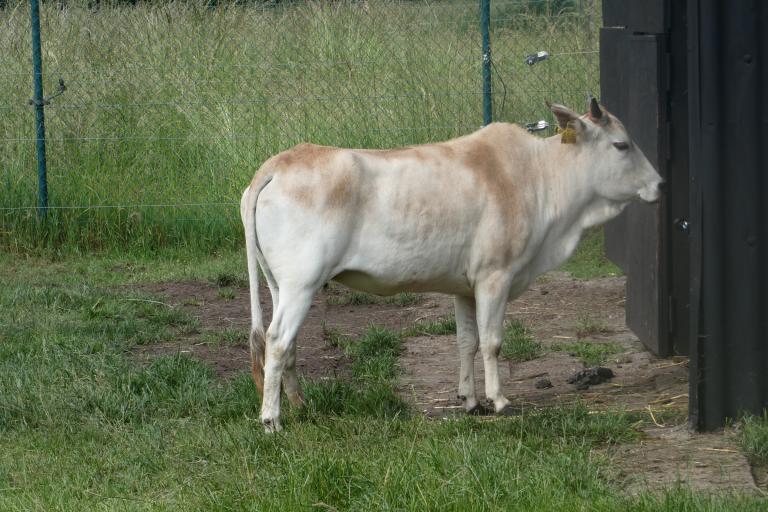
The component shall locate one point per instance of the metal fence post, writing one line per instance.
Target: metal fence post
(485, 21)
(39, 102)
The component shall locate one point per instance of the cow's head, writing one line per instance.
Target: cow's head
(619, 168)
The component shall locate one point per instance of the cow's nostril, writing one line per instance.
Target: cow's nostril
(662, 186)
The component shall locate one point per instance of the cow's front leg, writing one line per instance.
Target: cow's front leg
(491, 300)
(467, 339)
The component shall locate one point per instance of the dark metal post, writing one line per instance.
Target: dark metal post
(485, 21)
(39, 102)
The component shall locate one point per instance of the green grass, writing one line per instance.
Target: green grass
(372, 389)
(225, 293)
(438, 327)
(353, 298)
(588, 325)
(754, 438)
(175, 103)
(347, 297)
(589, 260)
(334, 338)
(404, 299)
(374, 353)
(231, 280)
(83, 426)
(519, 343)
(227, 337)
(591, 353)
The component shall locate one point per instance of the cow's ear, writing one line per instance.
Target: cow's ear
(596, 113)
(565, 116)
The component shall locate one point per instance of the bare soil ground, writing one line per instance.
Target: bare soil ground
(557, 309)
(227, 309)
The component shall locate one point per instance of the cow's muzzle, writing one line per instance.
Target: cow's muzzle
(652, 193)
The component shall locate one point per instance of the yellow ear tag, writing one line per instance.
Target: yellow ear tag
(568, 136)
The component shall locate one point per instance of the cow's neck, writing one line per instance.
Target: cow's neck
(569, 201)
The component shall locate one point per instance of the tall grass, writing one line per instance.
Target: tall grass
(179, 103)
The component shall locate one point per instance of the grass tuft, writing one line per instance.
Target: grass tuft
(588, 325)
(591, 353)
(227, 337)
(372, 391)
(404, 299)
(334, 338)
(353, 298)
(519, 344)
(357, 298)
(226, 293)
(753, 438)
(231, 280)
(440, 326)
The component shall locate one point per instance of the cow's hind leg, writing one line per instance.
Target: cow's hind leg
(290, 379)
(256, 344)
(256, 341)
(291, 384)
(491, 301)
(467, 338)
(280, 352)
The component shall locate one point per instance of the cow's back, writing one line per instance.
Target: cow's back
(418, 218)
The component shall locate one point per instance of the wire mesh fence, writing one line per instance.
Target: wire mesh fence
(170, 108)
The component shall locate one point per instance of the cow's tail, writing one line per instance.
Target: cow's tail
(255, 260)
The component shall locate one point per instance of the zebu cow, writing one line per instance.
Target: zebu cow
(478, 217)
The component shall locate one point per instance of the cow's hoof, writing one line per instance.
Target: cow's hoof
(480, 410)
(510, 410)
(271, 425)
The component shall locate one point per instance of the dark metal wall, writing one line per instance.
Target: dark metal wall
(643, 81)
(728, 124)
(697, 267)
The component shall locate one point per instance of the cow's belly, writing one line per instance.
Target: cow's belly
(382, 284)
(385, 265)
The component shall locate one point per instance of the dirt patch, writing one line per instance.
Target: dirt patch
(673, 455)
(557, 309)
(220, 309)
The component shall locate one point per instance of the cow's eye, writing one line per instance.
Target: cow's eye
(621, 146)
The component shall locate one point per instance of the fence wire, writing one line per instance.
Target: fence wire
(170, 108)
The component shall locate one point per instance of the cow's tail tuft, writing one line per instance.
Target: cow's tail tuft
(255, 260)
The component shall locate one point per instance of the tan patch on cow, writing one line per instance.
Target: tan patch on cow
(304, 167)
(424, 153)
(398, 152)
(258, 377)
(302, 194)
(483, 160)
(500, 165)
(315, 177)
(302, 156)
(256, 343)
(340, 192)
(614, 121)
